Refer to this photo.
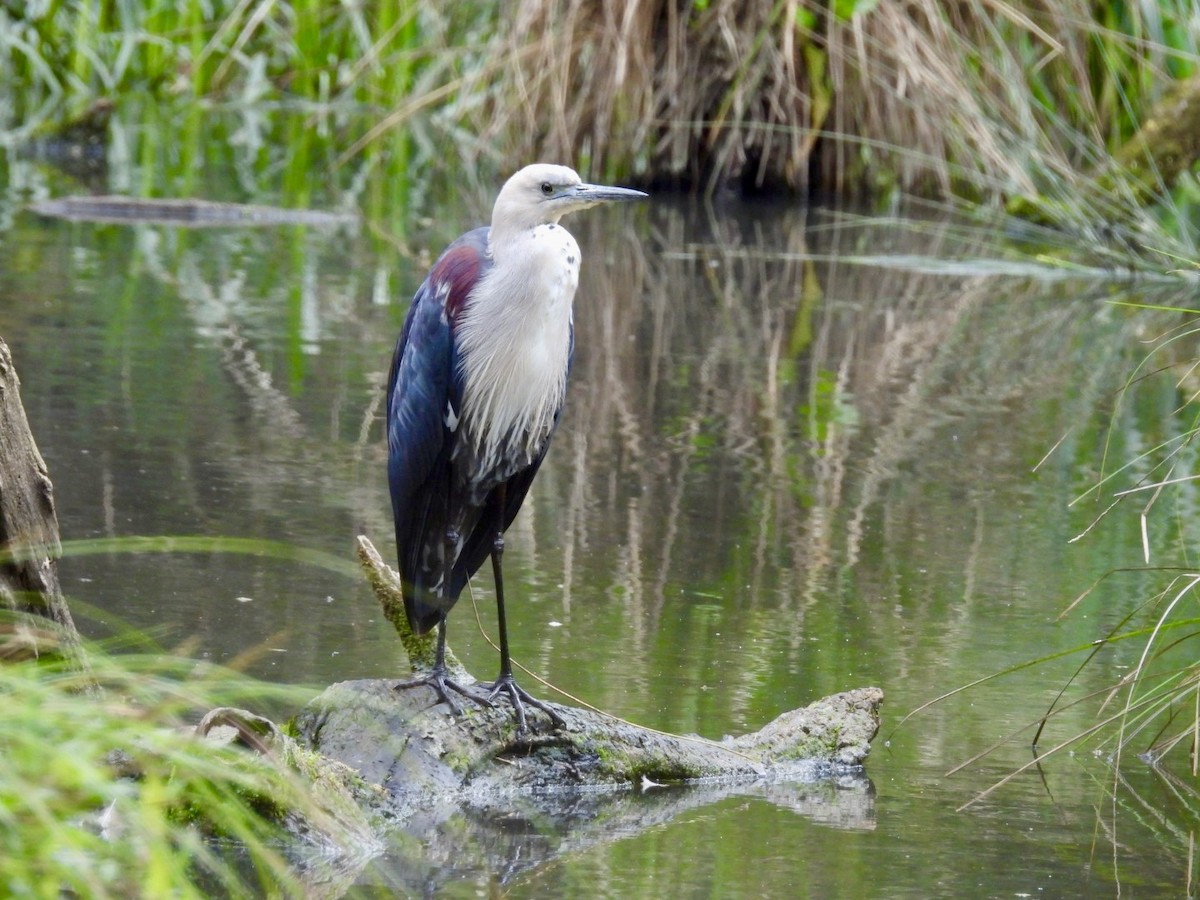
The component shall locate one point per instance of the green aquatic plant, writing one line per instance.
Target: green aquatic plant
(104, 792)
(1138, 675)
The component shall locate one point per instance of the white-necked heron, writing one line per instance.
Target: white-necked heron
(475, 392)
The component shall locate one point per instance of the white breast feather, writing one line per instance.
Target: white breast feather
(513, 343)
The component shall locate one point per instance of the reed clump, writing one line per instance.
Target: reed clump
(983, 97)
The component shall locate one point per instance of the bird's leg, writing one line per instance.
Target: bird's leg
(438, 677)
(506, 684)
(501, 623)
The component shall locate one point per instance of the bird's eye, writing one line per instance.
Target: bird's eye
(547, 189)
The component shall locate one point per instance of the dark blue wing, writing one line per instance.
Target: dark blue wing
(423, 399)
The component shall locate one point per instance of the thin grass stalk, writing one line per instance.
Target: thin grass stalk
(1135, 677)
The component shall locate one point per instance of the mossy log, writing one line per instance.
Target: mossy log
(1167, 144)
(469, 793)
(408, 742)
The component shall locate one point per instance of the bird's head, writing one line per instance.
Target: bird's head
(542, 193)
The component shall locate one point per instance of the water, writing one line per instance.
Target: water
(803, 452)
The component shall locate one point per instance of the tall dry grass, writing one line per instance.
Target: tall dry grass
(985, 97)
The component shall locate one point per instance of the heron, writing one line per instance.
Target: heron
(475, 392)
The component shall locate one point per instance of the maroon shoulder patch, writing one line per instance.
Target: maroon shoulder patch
(459, 269)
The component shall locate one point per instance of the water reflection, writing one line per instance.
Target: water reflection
(780, 474)
(505, 841)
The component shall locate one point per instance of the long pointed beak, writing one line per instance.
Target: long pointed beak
(601, 193)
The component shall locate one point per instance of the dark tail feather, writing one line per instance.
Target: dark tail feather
(423, 607)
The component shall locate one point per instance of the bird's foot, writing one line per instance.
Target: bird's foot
(441, 682)
(518, 697)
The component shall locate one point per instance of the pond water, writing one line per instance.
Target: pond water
(804, 451)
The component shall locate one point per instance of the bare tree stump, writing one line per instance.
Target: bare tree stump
(29, 544)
